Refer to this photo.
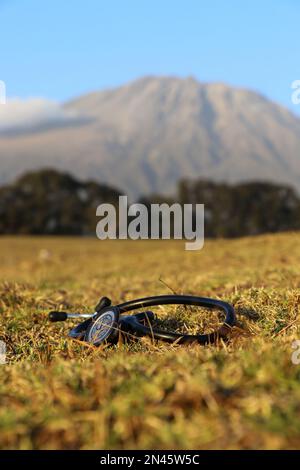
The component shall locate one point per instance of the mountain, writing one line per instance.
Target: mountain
(144, 136)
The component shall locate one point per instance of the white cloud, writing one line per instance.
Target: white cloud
(35, 114)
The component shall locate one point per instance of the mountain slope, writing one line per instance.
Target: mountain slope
(144, 136)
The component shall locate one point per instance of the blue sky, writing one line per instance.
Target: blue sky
(60, 49)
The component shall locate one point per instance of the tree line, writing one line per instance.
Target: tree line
(49, 202)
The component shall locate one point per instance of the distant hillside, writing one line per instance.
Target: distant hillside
(145, 136)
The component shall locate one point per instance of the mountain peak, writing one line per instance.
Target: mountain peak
(147, 134)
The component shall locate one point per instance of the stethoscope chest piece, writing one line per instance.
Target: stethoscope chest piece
(103, 327)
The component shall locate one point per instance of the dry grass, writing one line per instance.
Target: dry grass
(57, 393)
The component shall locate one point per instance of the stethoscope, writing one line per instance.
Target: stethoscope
(108, 321)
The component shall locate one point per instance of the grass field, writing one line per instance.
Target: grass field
(58, 393)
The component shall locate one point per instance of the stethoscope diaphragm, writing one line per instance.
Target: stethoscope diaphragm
(103, 327)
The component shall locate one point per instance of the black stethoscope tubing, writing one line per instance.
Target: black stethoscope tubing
(180, 338)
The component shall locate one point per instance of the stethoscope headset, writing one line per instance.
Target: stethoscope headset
(109, 321)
